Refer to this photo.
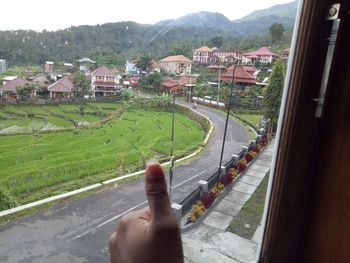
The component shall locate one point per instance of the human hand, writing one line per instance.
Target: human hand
(150, 235)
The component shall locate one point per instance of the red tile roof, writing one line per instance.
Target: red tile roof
(186, 80)
(241, 75)
(264, 51)
(103, 71)
(105, 83)
(250, 69)
(65, 84)
(204, 49)
(178, 58)
(169, 83)
(13, 84)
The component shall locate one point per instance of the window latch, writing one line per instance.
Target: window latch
(333, 15)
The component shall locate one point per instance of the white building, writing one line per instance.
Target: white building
(178, 65)
(2, 65)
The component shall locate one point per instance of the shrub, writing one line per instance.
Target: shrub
(208, 199)
(248, 157)
(226, 179)
(197, 210)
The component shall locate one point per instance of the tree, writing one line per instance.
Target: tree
(152, 81)
(25, 92)
(276, 31)
(144, 62)
(273, 95)
(184, 49)
(216, 41)
(82, 85)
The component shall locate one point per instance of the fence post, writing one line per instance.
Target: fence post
(204, 185)
(222, 170)
(245, 149)
(235, 158)
(262, 131)
(177, 208)
(251, 145)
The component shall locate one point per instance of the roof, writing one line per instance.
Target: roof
(103, 71)
(240, 75)
(250, 69)
(264, 51)
(204, 49)
(154, 65)
(86, 60)
(186, 80)
(13, 84)
(169, 83)
(65, 84)
(49, 62)
(8, 78)
(68, 64)
(216, 67)
(178, 58)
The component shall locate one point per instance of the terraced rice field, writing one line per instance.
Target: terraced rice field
(41, 164)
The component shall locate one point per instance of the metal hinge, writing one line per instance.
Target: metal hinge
(333, 15)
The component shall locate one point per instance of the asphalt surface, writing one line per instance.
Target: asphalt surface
(79, 230)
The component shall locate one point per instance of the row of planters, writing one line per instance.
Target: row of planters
(233, 172)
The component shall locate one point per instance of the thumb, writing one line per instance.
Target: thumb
(156, 191)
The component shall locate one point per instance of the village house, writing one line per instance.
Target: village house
(170, 85)
(225, 57)
(48, 67)
(202, 55)
(41, 80)
(2, 65)
(243, 76)
(178, 65)
(104, 82)
(9, 89)
(61, 89)
(86, 64)
(263, 55)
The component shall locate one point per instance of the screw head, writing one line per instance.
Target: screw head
(332, 11)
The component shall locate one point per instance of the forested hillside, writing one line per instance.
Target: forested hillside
(113, 43)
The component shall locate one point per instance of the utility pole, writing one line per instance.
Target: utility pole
(219, 86)
(226, 123)
(171, 172)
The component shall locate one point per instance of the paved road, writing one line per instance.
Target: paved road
(78, 231)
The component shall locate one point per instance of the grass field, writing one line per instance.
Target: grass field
(253, 118)
(248, 219)
(38, 165)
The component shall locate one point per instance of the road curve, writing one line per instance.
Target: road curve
(78, 231)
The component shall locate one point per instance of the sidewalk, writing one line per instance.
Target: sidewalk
(210, 242)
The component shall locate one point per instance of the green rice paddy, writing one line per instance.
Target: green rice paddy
(40, 164)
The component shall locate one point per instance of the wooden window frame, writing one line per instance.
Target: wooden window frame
(295, 163)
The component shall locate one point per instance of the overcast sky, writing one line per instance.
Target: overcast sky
(60, 14)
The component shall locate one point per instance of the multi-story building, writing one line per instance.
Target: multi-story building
(263, 55)
(103, 82)
(225, 57)
(202, 55)
(2, 65)
(178, 65)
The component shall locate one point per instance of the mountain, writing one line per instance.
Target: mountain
(200, 19)
(286, 11)
(112, 43)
